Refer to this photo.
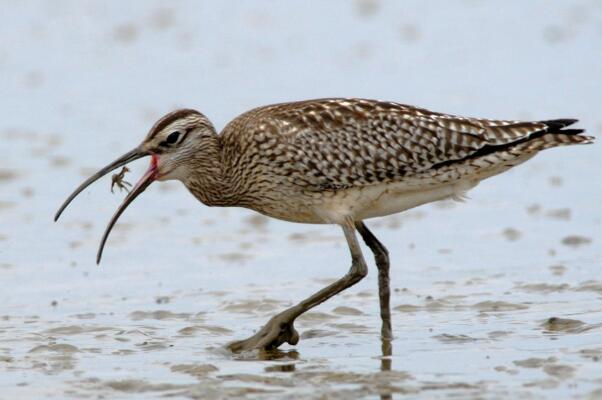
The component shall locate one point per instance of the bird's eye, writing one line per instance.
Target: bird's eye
(173, 137)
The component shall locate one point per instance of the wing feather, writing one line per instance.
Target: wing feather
(340, 143)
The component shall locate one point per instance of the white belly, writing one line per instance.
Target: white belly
(385, 199)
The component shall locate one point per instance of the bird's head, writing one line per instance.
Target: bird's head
(174, 140)
(171, 143)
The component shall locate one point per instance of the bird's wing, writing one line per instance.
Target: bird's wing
(341, 143)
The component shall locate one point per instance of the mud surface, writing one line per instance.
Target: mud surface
(497, 297)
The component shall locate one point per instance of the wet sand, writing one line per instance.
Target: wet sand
(497, 297)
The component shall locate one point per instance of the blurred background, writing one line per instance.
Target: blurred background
(81, 82)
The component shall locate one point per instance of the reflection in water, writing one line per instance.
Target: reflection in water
(386, 359)
(276, 354)
(386, 362)
(280, 368)
(261, 354)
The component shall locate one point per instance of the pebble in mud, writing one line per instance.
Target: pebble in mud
(56, 348)
(495, 306)
(126, 33)
(198, 370)
(163, 18)
(502, 368)
(512, 234)
(555, 324)
(236, 257)
(535, 362)
(53, 358)
(533, 209)
(158, 315)
(343, 310)
(280, 368)
(594, 354)
(555, 181)
(590, 286)
(257, 221)
(448, 338)
(549, 365)
(544, 287)
(254, 306)
(576, 241)
(7, 175)
(367, 8)
(557, 269)
(559, 213)
(560, 371)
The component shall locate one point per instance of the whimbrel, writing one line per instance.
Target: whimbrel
(332, 161)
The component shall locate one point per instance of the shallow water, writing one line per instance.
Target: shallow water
(497, 297)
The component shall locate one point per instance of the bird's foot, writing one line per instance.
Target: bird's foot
(277, 331)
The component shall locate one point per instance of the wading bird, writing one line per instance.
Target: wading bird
(332, 161)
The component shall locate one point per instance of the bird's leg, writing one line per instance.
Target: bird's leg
(381, 256)
(279, 328)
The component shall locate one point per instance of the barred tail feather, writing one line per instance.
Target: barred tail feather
(548, 140)
(493, 160)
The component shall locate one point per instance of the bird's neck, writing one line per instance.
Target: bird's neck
(208, 179)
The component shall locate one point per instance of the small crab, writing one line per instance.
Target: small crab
(117, 179)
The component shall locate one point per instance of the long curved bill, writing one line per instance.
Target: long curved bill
(121, 161)
(143, 183)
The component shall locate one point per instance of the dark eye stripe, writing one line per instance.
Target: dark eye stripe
(174, 138)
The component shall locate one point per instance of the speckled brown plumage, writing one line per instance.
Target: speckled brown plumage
(294, 153)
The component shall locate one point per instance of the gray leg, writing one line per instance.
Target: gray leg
(280, 328)
(381, 256)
